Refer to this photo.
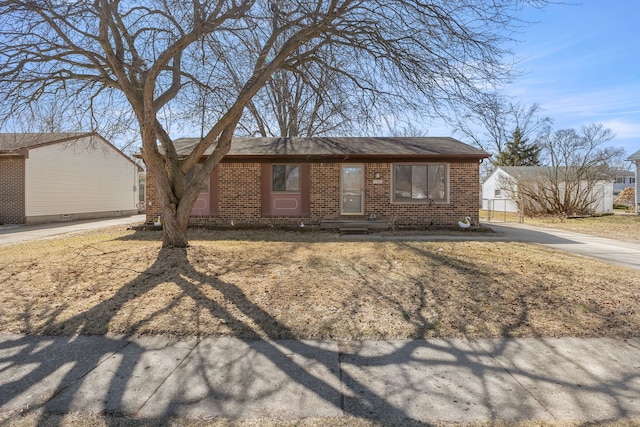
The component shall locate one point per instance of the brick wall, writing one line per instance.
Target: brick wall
(12, 191)
(240, 200)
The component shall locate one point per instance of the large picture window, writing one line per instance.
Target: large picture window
(421, 183)
(285, 178)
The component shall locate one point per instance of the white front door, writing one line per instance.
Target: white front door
(352, 189)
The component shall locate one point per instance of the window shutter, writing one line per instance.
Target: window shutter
(214, 191)
(305, 188)
(265, 188)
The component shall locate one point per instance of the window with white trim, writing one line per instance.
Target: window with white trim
(420, 183)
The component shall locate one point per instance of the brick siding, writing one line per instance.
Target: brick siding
(239, 198)
(12, 191)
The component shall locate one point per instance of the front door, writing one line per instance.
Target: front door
(352, 189)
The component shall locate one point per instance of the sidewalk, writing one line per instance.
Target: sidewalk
(420, 381)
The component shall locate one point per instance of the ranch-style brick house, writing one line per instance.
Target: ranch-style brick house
(412, 182)
(52, 177)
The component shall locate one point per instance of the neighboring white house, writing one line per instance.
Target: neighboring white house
(623, 179)
(497, 196)
(635, 157)
(49, 177)
(494, 196)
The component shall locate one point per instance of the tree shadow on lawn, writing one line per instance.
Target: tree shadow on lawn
(154, 377)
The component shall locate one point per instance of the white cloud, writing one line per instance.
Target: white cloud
(624, 129)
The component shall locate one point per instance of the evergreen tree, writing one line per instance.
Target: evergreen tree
(518, 153)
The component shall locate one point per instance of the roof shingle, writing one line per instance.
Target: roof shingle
(343, 147)
(18, 141)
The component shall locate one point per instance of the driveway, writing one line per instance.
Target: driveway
(10, 234)
(617, 252)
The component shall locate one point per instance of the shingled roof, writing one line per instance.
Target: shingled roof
(344, 147)
(634, 157)
(19, 141)
(19, 144)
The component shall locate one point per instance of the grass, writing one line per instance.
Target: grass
(309, 285)
(619, 227)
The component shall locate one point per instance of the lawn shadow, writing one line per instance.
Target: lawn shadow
(254, 373)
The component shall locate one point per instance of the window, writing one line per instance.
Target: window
(195, 169)
(497, 193)
(632, 180)
(620, 180)
(285, 178)
(426, 183)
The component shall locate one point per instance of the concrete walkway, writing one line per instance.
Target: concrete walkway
(613, 251)
(10, 234)
(422, 381)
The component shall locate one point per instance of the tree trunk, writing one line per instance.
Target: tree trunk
(174, 230)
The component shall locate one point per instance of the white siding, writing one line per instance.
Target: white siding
(79, 177)
(602, 193)
(500, 202)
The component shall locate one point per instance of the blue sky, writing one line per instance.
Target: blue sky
(581, 63)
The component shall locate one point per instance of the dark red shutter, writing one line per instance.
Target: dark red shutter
(265, 188)
(214, 191)
(305, 188)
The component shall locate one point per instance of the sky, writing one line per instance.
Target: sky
(581, 63)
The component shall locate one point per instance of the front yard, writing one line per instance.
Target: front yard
(309, 285)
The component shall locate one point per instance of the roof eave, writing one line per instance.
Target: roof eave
(354, 157)
(20, 152)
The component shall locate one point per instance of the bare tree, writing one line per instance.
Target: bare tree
(137, 58)
(310, 101)
(577, 164)
(491, 123)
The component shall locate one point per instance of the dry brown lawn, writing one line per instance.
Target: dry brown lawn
(309, 285)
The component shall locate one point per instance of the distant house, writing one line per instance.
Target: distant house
(50, 177)
(622, 179)
(495, 197)
(635, 158)
(499, 195)
(318, 181)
